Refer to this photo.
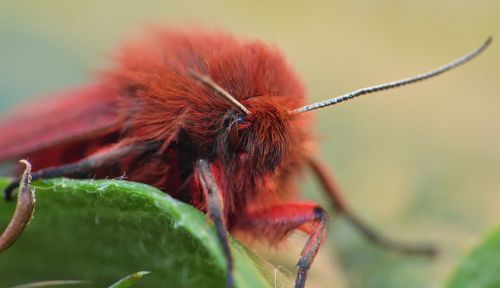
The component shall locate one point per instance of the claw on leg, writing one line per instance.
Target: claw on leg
(276, 222)
(25, 208)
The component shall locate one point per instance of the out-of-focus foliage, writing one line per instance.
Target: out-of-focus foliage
(480, 269)
(130, 280)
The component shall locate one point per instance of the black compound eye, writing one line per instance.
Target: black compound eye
(241, 119)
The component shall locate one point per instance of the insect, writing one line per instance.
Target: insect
(212, 120)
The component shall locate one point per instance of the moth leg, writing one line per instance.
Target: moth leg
(369, 233)
(88, 164)
(278, 221)
(215, 209)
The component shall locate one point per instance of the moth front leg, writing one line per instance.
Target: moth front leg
(215, 210)
(99, 159)
(276, 222)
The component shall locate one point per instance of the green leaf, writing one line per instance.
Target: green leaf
(51, 283)
(481, 268)
(101, 230)
(130, 280)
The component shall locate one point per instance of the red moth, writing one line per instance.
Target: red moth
(211, 120)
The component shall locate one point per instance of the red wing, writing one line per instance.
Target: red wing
(64, 118)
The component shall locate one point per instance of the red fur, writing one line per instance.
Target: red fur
(152, 97)
(74, 116)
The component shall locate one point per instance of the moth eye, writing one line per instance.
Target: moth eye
(240, 119)
(241, 122)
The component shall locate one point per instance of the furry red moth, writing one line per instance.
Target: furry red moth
(214, 121)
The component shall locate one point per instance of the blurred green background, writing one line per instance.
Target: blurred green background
(419, 163)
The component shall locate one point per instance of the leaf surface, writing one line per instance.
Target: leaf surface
(100, 230)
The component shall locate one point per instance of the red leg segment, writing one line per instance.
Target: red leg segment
(276, 222)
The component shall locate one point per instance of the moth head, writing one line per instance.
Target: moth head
(261, 131)
(256, 131)
(267, 135)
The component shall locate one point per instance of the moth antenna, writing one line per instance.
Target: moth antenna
(368, 90)
(209, 82)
